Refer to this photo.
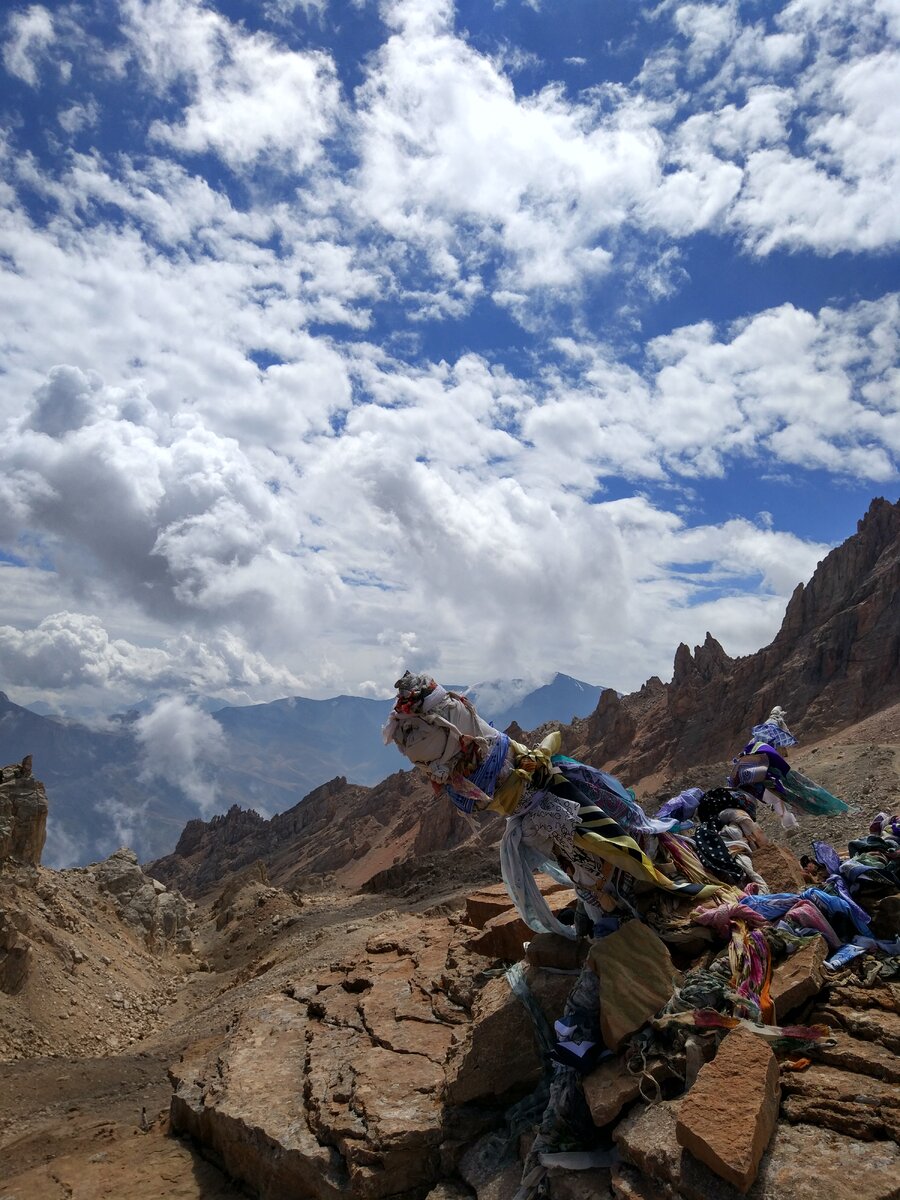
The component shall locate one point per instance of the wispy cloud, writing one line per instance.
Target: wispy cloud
(184, 746)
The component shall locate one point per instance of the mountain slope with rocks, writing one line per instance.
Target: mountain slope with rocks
(330, 1011)
(318, 1041)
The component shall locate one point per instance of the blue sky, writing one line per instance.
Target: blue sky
(491, 340)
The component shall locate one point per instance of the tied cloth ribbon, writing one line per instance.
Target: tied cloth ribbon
(467, 791)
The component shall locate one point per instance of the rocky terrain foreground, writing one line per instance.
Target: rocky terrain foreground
(339, 1000)
(311, 1039)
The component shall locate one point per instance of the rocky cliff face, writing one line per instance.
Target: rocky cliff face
(23, 815)
(835, 660)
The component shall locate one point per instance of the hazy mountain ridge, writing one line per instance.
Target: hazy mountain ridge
(107, 791)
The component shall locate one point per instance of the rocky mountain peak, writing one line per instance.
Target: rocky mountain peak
(849, 571)
(706, 662)
(835, 660)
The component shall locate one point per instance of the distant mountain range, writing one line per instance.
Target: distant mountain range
(101, 796)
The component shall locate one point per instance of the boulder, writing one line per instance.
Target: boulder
(556, 952)
(499, 1052)
(798, 978)
(627, 1183)
(120, 874)
(729, 1115)
(163, 916)
(505, 935)
(780, 868)
(491, 1168)
(486, 903)
(611, 1087)
(15, 952)
(593, 1183)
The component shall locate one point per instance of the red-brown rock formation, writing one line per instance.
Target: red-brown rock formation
(23, 815)
(835, 660)
(340, 828)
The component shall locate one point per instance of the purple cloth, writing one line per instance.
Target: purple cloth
(827, 856)
(682, 807)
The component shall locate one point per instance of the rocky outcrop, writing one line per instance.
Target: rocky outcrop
(835, 660)
(163, 916)
(15, 951)
(23, 815)
(379, 1074)
(396, 1071)
(799, 1160)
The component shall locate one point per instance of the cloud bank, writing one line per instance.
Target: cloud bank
(317, 362)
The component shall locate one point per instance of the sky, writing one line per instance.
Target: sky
(485, 339)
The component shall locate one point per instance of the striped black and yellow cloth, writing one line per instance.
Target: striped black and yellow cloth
(601, 836)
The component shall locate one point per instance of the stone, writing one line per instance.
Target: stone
(398, 1016)
(780, 868)
(857, 1105)
(872, 1025)
(590, 1184)
(504, 936)
(627, 1183)
(242, 1114)
(860, 1056)
(555, 951)
(608, 1089)
(798, 978)
(331, 1114)
(611, 1086)
(486, 903)
(885, 996)
(120, 874)
(491, 1168)
(499, 1052)
(803, 1162)
(16, 953)
(447, 1190)
(636, 976)
(729, 1115)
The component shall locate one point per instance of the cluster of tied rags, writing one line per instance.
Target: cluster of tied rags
(582, 826)
(681, 876)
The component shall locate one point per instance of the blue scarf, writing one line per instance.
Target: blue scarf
(485, 777)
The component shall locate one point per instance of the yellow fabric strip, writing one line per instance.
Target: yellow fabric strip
(508, 794)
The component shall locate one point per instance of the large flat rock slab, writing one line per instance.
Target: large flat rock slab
(335, 1087)
(244, 1104)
